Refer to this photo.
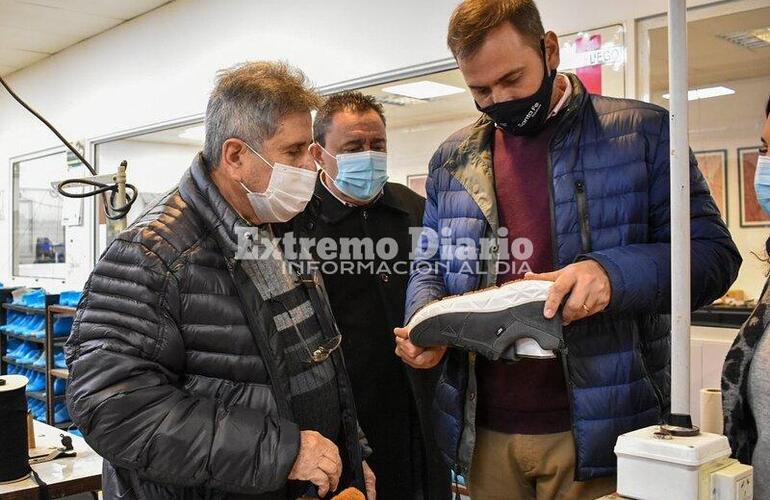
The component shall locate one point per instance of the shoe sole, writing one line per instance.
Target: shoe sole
(501, 322)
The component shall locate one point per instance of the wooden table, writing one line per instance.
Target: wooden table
(64, 476)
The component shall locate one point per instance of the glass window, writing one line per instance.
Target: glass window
(598, 58)
(729, 78)
(156, 161)
(421, 112)
(39, 244)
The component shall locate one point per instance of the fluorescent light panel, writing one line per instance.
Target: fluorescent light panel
(763, 34)
(424, 90)
(705, 93)
(752, 39)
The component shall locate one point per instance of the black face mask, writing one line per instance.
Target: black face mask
(525, 116)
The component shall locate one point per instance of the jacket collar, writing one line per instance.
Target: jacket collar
(471, 162)
(331, 210)
(200, 192)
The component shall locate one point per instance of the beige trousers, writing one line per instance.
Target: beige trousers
(517, 466)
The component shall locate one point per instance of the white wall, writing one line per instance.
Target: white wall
(708, 349)
(411, 148)
(732, 122)
(154, 168)
(159, 67)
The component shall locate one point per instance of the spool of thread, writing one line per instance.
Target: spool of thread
(711, 411)
(14, 454)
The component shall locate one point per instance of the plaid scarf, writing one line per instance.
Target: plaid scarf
(740, 426)
(314, 391)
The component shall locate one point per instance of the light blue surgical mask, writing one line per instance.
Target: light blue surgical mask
(762, 182)
(361, 175)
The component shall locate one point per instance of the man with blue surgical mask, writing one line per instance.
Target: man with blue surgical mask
(366, 219)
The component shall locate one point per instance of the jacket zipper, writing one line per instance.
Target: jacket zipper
(282, 402)
(565, 351)
(582, 208)
(465, 468)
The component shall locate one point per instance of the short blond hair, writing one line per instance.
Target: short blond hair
(472, 20)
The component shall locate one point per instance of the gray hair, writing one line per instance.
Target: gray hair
(248, 101)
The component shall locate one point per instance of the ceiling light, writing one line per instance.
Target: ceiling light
(763, 34)
(705, 93)
(424, 90)
(194, 133)
(395, 100)
(751, 39)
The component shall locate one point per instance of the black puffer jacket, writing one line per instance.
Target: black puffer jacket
(173, 381)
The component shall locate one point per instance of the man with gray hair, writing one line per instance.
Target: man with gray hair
(197, 372)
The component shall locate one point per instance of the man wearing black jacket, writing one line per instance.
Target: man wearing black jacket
(196, 369)
(353, 203)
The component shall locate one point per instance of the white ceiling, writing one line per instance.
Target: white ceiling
(419, 112)
(31, 30)
(713, 60)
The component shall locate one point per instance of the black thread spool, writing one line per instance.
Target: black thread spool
(14, 454)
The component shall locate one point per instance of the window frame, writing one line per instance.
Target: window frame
(13, 218)
(696, 13)
(92, 145)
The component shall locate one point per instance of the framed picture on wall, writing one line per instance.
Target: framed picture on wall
(752, 214)
(713, 166)
(417, 183)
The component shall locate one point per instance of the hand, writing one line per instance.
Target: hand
(371, 482)
(318, 461)
(587, 284)
(416, 357)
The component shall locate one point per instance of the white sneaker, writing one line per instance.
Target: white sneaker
(503, 322)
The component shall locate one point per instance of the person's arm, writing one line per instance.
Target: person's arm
(426, 281)
(126, 356)
(640, 274)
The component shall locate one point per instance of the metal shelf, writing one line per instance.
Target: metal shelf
(25, 338)
(39, 395)
(59, 310)
(49, 344)
(24, 309)
(42, 396)
(12, 361)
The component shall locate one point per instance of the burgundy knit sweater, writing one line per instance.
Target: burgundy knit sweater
(530, 395)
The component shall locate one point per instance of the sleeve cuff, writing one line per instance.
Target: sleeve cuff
(614, 273)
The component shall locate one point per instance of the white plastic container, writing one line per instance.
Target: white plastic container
(678, 468)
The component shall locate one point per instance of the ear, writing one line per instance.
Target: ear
(317, 153)
(232, 158)
(323, 160)
(552, 50)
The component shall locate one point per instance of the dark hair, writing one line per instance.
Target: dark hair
(248, 101)
(346, 101)
(767, 108)
(472, 21)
